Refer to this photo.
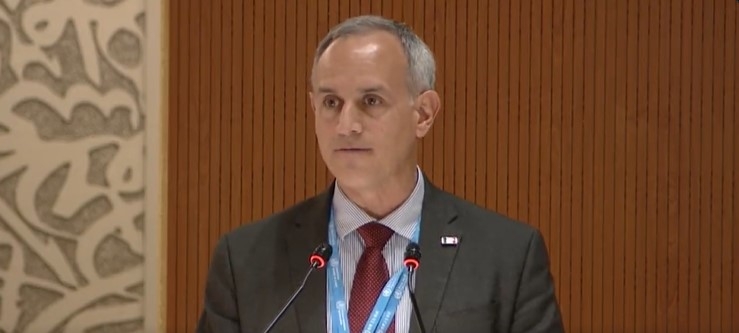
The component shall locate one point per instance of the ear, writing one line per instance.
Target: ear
(429, 105)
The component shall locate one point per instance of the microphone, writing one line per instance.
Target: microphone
(317, 260)
(412, 261)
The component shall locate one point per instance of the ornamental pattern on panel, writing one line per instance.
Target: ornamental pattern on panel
(71, 165)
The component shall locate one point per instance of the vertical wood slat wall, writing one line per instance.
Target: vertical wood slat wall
(610, 125)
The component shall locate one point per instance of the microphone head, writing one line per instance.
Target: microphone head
(321, 255)
(412, 256)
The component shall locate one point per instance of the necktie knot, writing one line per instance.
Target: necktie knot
(375, 235)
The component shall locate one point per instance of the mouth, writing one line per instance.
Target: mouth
(352, 150)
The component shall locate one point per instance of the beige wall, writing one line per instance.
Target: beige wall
(72, 167)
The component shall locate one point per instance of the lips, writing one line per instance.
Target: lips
(353, 150)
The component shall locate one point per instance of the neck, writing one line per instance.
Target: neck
(381, 200)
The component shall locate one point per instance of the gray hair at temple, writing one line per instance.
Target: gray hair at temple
(420, 59)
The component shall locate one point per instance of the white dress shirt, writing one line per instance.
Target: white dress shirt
(349, 217)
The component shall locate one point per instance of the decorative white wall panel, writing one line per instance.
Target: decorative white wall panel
(71, 165)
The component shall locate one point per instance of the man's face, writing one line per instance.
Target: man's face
(366, 118)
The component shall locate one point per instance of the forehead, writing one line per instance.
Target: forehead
(374, 58)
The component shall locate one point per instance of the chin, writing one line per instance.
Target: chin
(351, 177)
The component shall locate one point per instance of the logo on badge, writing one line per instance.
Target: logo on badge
(449, 240)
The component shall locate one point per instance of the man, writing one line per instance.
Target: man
(373, 99)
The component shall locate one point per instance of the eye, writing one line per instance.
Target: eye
(331, 102)
(372, 100)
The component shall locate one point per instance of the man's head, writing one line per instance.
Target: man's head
(373, 99)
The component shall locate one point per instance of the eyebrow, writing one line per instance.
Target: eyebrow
(325, 90)
(372, 89)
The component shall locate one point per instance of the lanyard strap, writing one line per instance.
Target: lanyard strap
(387, 302)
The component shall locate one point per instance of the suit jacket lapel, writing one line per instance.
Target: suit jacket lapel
(307, 232)
(437, 220)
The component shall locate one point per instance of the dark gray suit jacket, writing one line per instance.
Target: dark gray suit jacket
(496, 280)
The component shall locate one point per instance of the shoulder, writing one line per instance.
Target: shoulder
(257, 233)
(491, 230)
(475, 216)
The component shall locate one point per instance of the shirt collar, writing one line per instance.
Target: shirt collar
(350, 217)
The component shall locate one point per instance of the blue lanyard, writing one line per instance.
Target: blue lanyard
(385, 306)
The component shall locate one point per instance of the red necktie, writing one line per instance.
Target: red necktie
(370, 276)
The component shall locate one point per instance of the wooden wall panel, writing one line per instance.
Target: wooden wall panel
(609, 125)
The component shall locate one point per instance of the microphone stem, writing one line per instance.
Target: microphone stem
(413, 300)
(291, 300)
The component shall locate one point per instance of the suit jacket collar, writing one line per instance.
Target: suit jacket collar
(310, 228)
(438, 218)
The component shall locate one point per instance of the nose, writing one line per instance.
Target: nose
(349, 120)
